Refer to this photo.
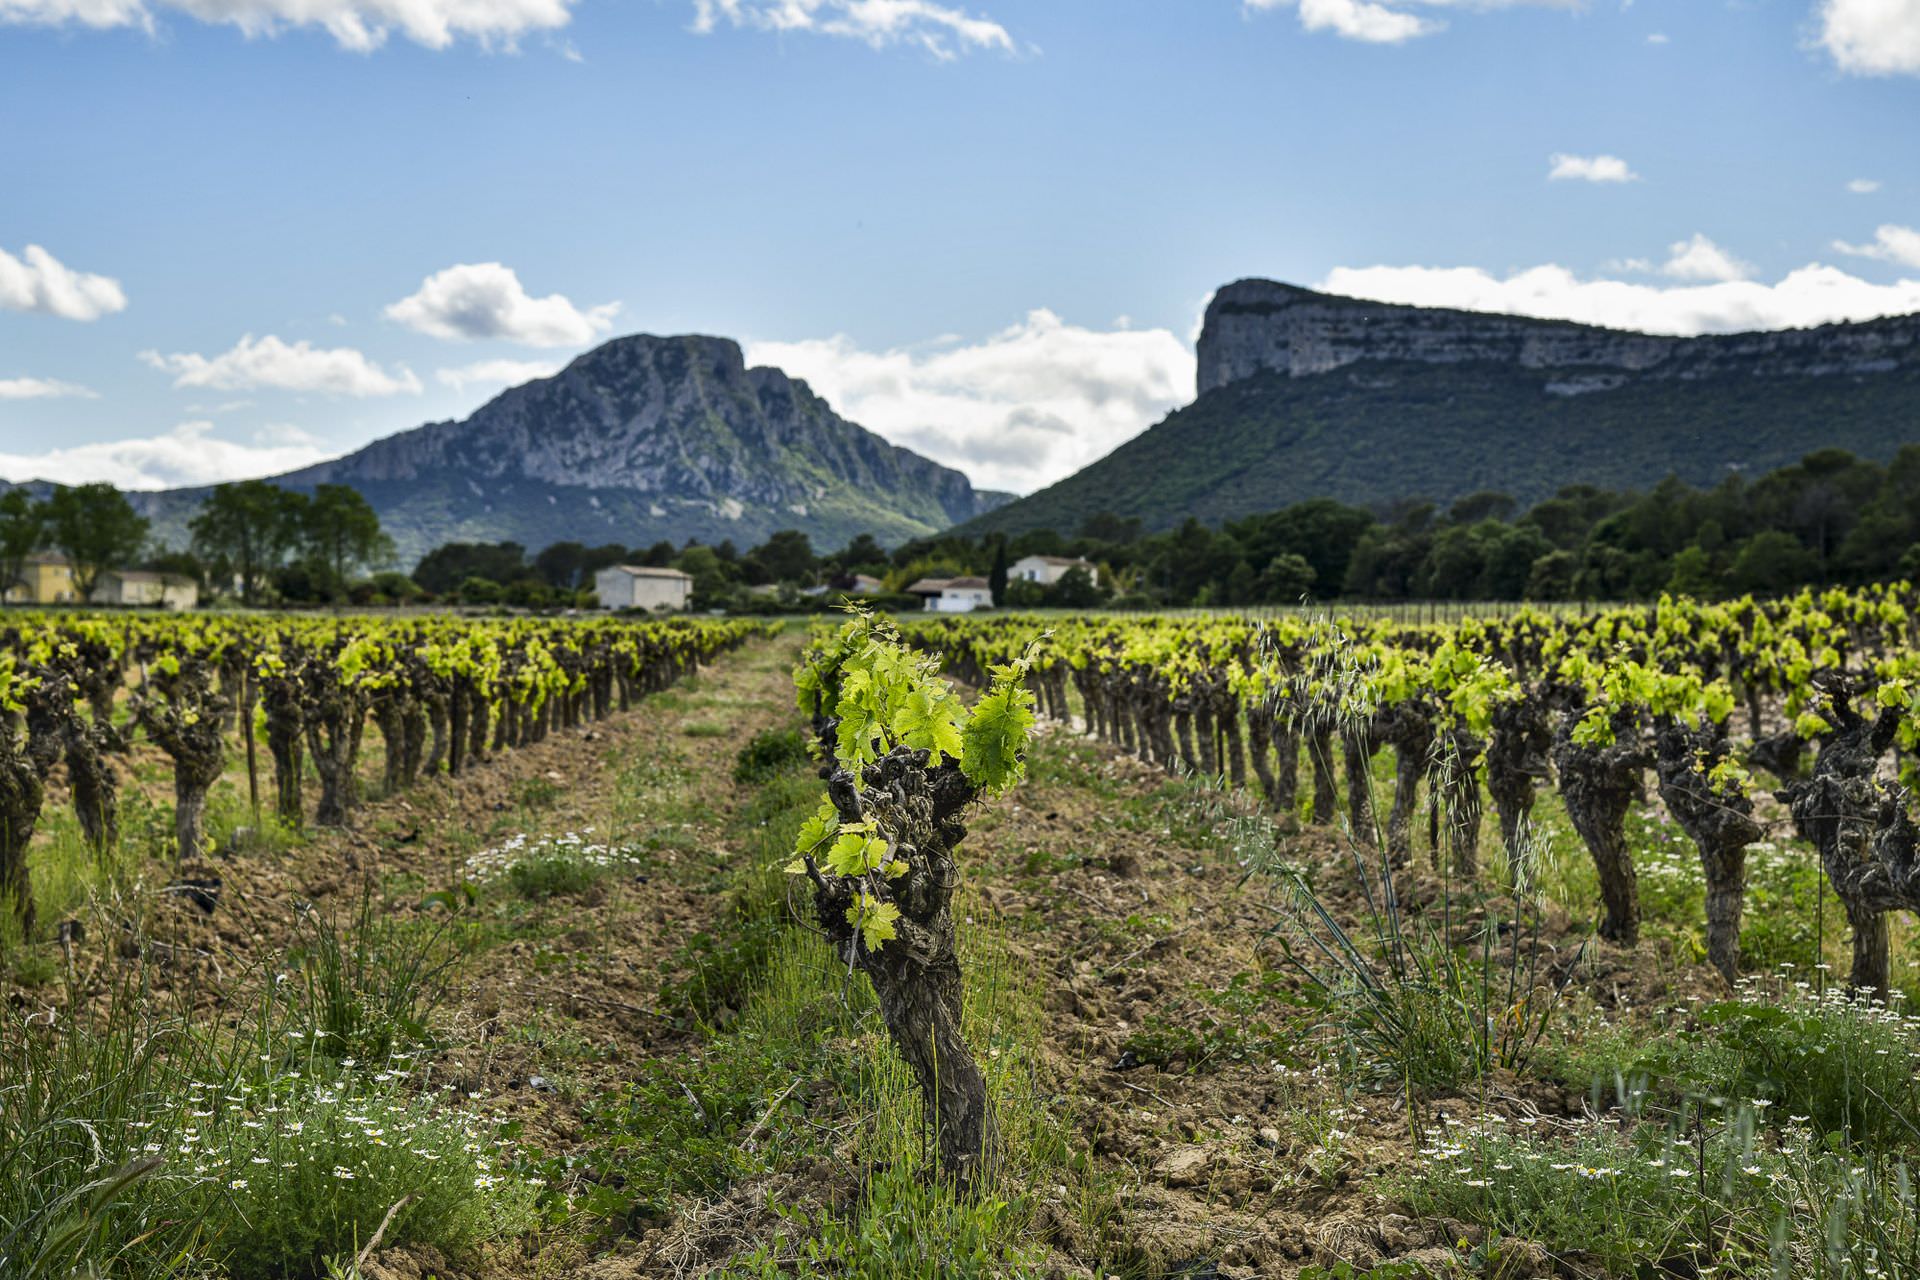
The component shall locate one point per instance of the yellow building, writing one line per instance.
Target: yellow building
(45, 578)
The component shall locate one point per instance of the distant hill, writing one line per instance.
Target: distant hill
(1306, 395)
(641, 439)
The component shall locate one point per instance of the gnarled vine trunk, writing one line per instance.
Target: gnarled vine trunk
(21, 794)
(1599, 785)
(1850, 820)
(1719, 821)
(1517, 759)
(916, 975)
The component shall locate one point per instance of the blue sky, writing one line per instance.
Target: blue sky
(234, 243)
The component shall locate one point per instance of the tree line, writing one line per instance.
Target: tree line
(1831, 518)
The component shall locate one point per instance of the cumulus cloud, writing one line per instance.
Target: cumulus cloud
(1386, 21)
(187, 455)
(358, 25)
(1872, 37)
(496, 373)
(943, 30)
(1699, 258)
(1864, 186)
(1017, 410)
(1562, 167)
(43, 389)
(485, 300)
(298, 366)
(1814, 294)
(38, 281)
(1890, 244)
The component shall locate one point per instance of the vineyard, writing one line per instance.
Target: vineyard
(1503, 943)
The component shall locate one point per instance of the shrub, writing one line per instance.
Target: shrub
(770, 752)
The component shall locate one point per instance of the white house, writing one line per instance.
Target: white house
(953, 595)
(1047, 570)
(141, 587)
(638, 586)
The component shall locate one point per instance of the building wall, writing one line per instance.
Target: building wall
(616, 590)
(661, 593)
(965, 600)
(1034, 569)
(613, 589)
(44, 584)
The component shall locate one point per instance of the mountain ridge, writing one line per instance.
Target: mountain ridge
(641, 439)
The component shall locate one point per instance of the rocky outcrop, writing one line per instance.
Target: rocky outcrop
(1255, 326)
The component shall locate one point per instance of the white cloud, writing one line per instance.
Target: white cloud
(1699, 258)
(1814, 294)
(1872, 37)
(1386, 21)
(43, 389)
(298, 366)
(497, 373)
(358, 25)
(1658, 37)
(38, 281)
(1864, 186)
(1890, 244)
(486, 300)
(943, 30)
(187, 455)
(1018, 410)
(1563, 167)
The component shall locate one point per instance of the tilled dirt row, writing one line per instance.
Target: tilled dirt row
(1232, 1153)
(583, 971)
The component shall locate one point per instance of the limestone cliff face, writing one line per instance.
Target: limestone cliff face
(1253, 326)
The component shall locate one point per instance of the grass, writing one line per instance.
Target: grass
(290, 1170)
(1712, 1191)
(135, 1141)
(793, 1052)
(371, 979)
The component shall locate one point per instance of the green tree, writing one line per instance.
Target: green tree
(1693, 574)
(1286, 579)
(444, 568)
(251, 526)
(1077, 590)
(95, 527)
(863, 555)
(1773, 561)
(568, 566)
(1552, 575)
(997, 576)
(342, 534)
(23, 529)
(712, 577)
(786, 556)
